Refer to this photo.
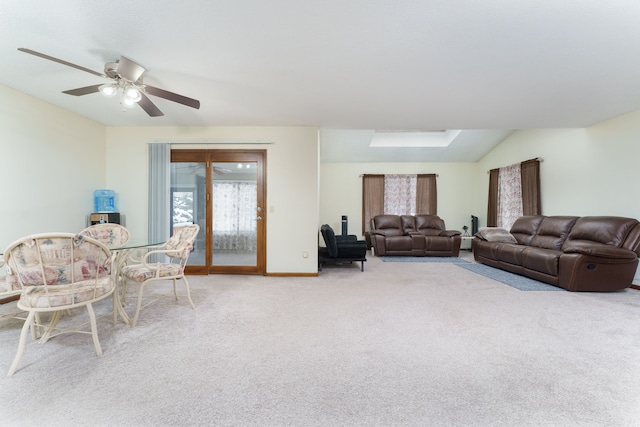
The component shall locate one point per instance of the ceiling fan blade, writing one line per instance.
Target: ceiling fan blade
(60, 61)
(189, 102)
(129, 69)
(221, 171)
(83, 90)
(148, 106)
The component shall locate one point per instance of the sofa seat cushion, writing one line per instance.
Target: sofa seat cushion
(399, 243)
(484, 249)
(436, 243)
(542, 260)
(352, 249)
(510, 253)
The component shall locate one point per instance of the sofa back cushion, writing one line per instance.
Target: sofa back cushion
(429, 225)
(525, 227)
(330, 242)
(553, 232)
(408, 223)
(608, 230)
(389, 225)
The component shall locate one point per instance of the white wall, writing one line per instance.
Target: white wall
(341, 191)
(51, 161)
(589, 171)
(292, 175)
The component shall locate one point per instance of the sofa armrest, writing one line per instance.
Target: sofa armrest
(386, 232)
(348, 238)
(598, 250)
(450, 233)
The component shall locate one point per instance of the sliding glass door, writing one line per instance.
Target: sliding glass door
(223, 191)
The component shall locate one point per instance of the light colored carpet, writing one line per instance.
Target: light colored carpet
(400, 344)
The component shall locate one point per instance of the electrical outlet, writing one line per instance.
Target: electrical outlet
(305, 254)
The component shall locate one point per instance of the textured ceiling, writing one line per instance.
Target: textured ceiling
(353, 65)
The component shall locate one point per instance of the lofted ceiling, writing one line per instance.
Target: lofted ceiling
(348, 67)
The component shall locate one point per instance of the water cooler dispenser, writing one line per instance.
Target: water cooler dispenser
(104, 203)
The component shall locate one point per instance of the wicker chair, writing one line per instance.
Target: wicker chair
(177, 249)
(113, 236)
(57, 272)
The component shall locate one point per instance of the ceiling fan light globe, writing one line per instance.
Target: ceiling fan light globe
(133, 94)
(127, 102)
(108, 90)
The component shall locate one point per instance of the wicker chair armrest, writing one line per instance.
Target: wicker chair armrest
(175, 253)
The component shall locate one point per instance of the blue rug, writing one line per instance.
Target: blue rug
(449, 259)
(514, 280)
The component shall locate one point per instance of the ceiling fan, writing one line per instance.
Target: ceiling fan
(126, 80)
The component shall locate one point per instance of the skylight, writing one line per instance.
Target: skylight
(401, 139)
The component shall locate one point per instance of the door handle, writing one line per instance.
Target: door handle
(258, 218)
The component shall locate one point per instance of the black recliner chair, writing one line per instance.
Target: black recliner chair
(341, 249)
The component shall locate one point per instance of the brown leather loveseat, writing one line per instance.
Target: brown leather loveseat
(413, 235)
(591, 253)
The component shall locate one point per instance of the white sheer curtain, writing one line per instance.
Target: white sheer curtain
(509, 196)
(400, 194)
(159, 192)
(234, 215)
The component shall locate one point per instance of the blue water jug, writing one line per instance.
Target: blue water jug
(104, 200)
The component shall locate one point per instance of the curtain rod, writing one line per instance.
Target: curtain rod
(539, 159)
(215, 141)
(383, 174)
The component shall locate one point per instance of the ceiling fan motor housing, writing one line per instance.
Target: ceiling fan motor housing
(111, 69)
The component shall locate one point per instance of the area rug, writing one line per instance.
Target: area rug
(449, 259)
(514, 280)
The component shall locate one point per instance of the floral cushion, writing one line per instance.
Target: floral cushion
(140, 273)
(183, 241)
(111, 235)
(61, 295)
(9, 283)
(60, 259)
(57, 270)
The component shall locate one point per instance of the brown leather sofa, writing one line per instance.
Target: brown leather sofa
(591, 253)
(413, 235)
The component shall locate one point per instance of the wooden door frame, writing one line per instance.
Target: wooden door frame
(209, 156)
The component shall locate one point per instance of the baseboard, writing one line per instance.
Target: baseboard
(292, 274)
(9, 299)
